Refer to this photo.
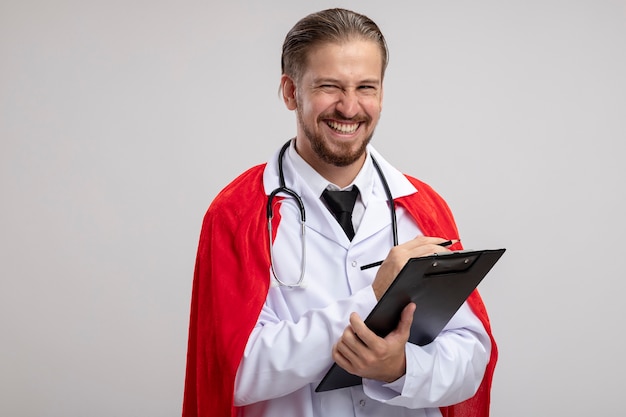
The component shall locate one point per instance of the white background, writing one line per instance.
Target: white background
(121, 120)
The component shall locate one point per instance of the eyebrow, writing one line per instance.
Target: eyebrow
(318, 81)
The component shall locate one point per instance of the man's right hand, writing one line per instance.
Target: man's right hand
(398, 257)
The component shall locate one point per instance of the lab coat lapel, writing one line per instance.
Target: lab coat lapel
(375, 218)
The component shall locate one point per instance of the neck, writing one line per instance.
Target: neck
(340, 176)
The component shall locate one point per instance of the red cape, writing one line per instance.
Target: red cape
(231, 281)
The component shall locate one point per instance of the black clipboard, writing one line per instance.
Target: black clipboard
(438, 285)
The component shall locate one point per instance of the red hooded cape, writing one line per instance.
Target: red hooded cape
(231, 281)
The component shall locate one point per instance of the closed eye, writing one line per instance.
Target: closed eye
(368, 89)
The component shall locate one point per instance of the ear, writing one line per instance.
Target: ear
(288, 89)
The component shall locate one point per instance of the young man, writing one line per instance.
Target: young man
(268, 320)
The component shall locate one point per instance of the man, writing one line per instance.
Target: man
(267, 321)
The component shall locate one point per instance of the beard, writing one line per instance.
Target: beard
(345, 154)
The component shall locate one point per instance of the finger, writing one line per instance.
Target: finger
(424, 240)
(342, 353)
(350, 340)
(438, 249)
(426, 249)
(364, 335)
(431, 248)
(419, 246)
(349, 343)
(406, 320)
(342, 358)
(346, 350)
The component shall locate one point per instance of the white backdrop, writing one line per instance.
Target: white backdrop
(121, 120)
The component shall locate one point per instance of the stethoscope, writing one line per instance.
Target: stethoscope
(283, 189)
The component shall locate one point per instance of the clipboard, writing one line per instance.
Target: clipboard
(438, 285)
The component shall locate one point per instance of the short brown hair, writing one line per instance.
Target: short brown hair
(331, 25)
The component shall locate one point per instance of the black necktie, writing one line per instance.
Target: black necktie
(341, 204)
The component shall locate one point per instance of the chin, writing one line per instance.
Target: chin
(342, 155)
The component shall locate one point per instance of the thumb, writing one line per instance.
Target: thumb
(406, 319)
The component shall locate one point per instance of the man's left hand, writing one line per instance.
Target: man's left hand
(361, 352)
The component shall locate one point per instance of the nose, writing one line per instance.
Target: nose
(348, 104)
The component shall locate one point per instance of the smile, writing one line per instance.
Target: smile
(345, 128)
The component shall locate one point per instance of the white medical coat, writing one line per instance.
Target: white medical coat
(289, 350)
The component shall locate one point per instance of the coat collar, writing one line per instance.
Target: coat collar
(318, 218)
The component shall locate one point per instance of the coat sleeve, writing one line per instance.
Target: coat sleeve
(434, 217)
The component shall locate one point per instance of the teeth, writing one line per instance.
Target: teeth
(344, 127)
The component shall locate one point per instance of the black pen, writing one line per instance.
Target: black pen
(444, 244)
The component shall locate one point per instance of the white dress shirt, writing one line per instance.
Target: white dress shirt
(289, 350)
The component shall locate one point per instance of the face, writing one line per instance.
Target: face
(338, 101)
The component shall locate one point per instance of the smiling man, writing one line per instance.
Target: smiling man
(338, 100)
(272, 311)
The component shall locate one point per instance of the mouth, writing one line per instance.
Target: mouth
(342, 127)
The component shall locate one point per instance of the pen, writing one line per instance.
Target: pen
(444, 244)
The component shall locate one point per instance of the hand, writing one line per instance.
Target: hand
(361, 352)
(398, 257)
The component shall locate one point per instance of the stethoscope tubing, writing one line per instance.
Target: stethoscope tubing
(285, 190)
